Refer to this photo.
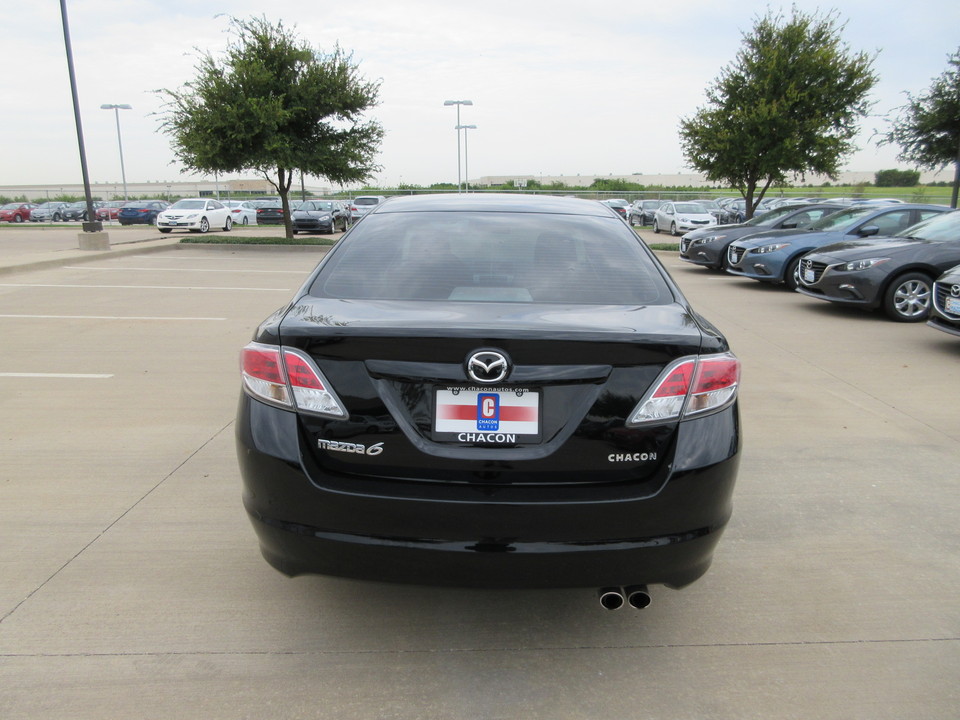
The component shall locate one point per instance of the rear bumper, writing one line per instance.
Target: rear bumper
(487, 537)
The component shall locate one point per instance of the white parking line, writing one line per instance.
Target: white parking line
(145, 287)
(107, 317)
(69, 376)
(180, 270)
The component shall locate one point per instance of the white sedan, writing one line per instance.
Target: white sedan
(243, 212)
(195, 215)
(681, 217)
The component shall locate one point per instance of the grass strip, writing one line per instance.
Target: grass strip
(255, 240)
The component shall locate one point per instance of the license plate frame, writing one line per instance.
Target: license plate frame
(487, 416)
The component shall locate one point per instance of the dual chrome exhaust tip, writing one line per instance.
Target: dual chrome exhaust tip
(614, 598)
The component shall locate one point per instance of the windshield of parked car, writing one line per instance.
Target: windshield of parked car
(493, 257)
(317, 206)
(189, 205)
(940, 228)
(691, 208)
(366, 201)
(840, 219)
(708, 205)
(770, 218)
(10, 206)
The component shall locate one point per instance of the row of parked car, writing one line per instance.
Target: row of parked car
(307, 215)
(901, 258)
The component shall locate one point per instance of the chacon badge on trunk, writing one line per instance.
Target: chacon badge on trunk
(487, 366)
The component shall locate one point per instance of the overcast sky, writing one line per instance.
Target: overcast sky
(559, 88)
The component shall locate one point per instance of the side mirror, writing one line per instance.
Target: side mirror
(789, 225)
(869, 230)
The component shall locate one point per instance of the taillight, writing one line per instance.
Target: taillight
(690, 387)
(288, 378)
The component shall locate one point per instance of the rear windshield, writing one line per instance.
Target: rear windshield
(316, 205)
(492, 257)
(366, 201)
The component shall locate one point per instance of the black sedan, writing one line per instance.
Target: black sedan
(141, 212)
(78, 210)
(946, 302)
(620, 207)
(708, 246)
(495, 391)
(324, 216)
(270, 213)
(895, 273)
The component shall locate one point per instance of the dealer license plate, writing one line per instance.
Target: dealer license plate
(808, 276)
(498, 416)
(952, 305)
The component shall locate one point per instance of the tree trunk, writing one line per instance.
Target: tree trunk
(283, 187)
(956, 181)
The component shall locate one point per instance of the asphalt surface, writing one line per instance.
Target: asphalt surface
(131, 584)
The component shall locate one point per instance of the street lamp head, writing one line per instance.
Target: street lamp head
(458, 102)
(466, 127)
(108, 106)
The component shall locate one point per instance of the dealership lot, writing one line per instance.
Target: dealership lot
(130, 574)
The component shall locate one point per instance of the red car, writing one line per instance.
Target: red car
(109, 210)
(16, 212)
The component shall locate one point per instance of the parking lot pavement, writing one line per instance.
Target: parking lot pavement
(132, 585)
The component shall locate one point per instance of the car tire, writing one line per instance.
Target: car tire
(673, 229)
(228, 224)
(656, 228)
(164, 230)
(18, 218)
(791, 278)
(244, 220)
(57, 217)
(204, 225)
(908, 298)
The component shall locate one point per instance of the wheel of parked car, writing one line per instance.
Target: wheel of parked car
(673, 229)
(244, 220)
(57, 217)
(656, 228)
(204, 225)
(908, 298)
(228, 224)
(164, 230)
(18, 218)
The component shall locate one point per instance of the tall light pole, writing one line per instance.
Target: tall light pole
(466, 154)
(458, 103)
(116, 111)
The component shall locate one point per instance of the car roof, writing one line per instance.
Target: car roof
(495, 202)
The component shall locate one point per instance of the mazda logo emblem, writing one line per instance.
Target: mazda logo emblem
(955, 290)
(487, 366)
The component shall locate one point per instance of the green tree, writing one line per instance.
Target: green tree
(276, 106)
(789, 103)
(897, 178)
(927, 128)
